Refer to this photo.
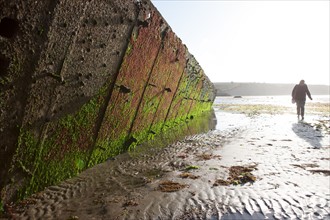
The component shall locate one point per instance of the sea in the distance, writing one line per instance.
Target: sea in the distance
(282, 100)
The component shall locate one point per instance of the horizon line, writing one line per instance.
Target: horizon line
(269, 83)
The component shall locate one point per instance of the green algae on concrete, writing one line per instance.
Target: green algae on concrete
(178, 131)
(60, 154)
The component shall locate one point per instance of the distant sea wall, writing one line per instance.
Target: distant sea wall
(82, 81)
(262, 89)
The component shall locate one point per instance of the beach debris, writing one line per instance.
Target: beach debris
(186, 175)
(207, 156)
(242, 174)
(238, 175)
(181, 164)
(170, 186)
(204, 156)
(130, 202)
(192, 167)
(322, 125)
(221, 182)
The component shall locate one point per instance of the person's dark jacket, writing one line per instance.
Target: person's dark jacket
(299, 92)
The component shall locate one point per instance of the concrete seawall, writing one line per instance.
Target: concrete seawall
(82, 81)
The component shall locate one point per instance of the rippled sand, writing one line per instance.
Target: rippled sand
(291, 160)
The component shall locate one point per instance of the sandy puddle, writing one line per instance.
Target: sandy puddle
(267, 166)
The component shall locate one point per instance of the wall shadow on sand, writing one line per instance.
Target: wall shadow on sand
(307, 132)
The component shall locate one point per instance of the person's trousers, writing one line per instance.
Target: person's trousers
(300, 107)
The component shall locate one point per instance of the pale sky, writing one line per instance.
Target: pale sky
(270, 41)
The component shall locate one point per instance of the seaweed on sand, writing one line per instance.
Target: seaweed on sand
(188, 175)
(170, 186)
(238, 175)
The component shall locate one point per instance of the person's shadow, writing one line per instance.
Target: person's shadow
(308, 133)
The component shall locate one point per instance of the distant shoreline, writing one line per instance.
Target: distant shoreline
(263, 89)
(269, 83)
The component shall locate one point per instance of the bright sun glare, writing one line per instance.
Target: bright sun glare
(254, 41)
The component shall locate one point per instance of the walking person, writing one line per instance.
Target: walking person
(299, 93)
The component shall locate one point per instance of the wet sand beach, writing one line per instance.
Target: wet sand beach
(255, 165)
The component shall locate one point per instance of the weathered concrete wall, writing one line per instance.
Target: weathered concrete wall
(82, 81)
